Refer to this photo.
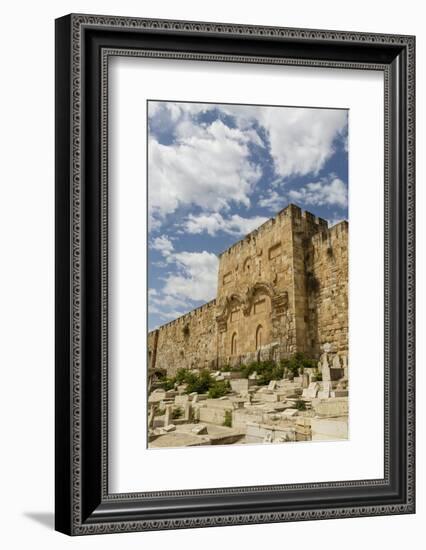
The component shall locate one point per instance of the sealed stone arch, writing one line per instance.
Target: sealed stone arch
(234, 344)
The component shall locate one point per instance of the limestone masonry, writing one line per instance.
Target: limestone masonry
(282, 289)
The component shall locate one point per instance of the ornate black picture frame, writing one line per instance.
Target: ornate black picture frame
(83, 45)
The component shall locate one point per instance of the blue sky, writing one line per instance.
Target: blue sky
(218, 171)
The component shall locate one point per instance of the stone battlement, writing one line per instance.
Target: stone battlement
(337, 232)
(291, 211)
(188, 316)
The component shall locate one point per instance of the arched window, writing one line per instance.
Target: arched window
(234, 344)
(259, 336)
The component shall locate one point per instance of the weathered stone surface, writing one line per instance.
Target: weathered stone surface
(336, 362)
(241, 384)
(290, 412)
(168, 415)
(311, 391)
(199, 429)
(265, 433)
(329, 428)
(169, 428)
(324, 393)
(337, 406)
(212, 415)
(181, 399)
(157, 396)
(151, 417)
(242, 416)
(223, 404)
(303, 428)
(339, 393)
(187, 413)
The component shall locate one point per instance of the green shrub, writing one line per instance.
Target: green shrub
(182, 375)
(298, 363)
(168, 383)
(300, 405)
(266, 371)
(228, 419)
(177, 413)
(199, 383)
(219, 389)
(195, 382)
(317, 376)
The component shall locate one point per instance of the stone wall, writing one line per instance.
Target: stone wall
(328, 301)
(262, 289)
(281, 289)
(188, 342)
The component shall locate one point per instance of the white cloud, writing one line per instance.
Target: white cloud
(215, 222)
(196, 276)
(331, 191)
(177, 110)
(301, 140)
(163, 244)
(208, 166)
(192, 278)
(273, 202)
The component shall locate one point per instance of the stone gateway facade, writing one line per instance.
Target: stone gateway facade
(282, 289)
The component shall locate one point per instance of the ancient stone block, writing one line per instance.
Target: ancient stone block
(212, 415)
(290, 413)
(156, 396)
(199, 429)
(339, 393)
(181, 399)
(329, 428)
(242, 384)
(335, 406)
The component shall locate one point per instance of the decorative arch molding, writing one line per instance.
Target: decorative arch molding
(256, 290)
(279, 302)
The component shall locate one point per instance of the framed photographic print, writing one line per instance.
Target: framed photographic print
(234, 274)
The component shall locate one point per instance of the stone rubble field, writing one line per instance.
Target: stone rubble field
(286, 410)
